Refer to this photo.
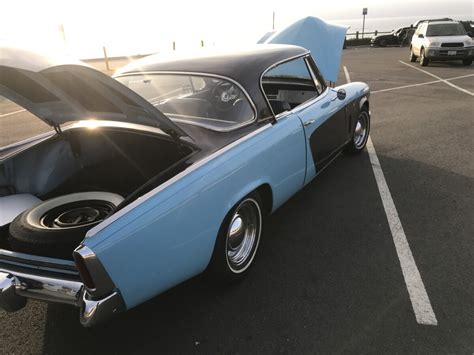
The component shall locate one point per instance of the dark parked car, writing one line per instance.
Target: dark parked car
(395, 37)
(469, 27)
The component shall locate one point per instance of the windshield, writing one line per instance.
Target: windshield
(445, 29)
(207, 101)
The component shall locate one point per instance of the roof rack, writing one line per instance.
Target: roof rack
(417, 23)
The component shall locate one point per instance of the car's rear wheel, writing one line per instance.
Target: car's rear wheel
(423, 60)
(238, 240)
(413, 57)
(360, 134)
(467, 61)
(57, 226)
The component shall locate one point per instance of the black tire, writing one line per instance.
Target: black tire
(467, 61)
(57, 226)
(382, 43)
(423, 60)
(413, 57)
(359, 138)
(221, 267)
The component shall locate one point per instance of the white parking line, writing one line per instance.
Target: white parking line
(348, 78)
(416, 289)
(11, 113)
(421, 84)
(439, 78)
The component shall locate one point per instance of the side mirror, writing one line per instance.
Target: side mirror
(469, 33)
(421, 35)
(341, 94)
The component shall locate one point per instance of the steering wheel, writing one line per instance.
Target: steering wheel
(225, 95)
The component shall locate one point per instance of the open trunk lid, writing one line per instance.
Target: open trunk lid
(60, 90)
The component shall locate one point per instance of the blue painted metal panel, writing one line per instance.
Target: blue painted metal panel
(170, 236)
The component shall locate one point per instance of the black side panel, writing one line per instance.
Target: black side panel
(352, 112)
(328, 138)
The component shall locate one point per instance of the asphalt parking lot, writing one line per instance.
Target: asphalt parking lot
(328, 278)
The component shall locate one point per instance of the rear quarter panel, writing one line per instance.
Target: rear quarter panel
(168, 235)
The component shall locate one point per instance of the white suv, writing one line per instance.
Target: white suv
(439, 41)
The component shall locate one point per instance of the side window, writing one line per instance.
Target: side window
(288, 85)
(423, 29)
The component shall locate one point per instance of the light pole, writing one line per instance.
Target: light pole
(63, 34)
(364, 12)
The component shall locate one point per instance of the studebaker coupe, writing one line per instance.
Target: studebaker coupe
(161, 173)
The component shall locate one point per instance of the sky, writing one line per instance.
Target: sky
(146, 26)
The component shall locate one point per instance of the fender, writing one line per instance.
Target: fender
(363, 101)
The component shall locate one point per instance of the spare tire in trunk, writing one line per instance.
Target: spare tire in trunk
(57, 226)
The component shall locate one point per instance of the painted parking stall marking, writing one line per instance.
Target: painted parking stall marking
(439, 78)
(416, 289)
(11, 113)
(421, 84)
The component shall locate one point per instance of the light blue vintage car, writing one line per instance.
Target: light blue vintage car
(161, 173)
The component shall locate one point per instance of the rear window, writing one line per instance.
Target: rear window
(445, 29)
(211, 102)
(17, 124)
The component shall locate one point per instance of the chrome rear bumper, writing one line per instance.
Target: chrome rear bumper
(17, 287)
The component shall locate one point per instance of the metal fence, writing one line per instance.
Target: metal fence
(360, 35)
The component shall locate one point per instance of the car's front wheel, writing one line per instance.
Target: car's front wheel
(413, 57)
(467, 61)
(423, 60)
(360, 134)
(238, 240)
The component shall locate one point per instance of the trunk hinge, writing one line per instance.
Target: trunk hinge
(58, 129)
(174, 136)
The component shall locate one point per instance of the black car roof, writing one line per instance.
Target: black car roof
(244, 66)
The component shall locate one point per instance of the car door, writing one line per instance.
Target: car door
(296, 85)
(416, 40)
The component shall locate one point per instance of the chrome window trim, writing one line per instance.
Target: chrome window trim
(315, 76)
(303, 104)
(106, 222)
(165, 72)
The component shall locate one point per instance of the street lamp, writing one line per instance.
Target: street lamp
(364, 12)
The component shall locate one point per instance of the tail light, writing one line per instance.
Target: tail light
(84, 273)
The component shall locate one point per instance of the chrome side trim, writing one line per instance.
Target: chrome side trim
(103, 283)
(171, 181)
(249, 98)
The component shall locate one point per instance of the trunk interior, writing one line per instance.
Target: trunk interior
(125, 162)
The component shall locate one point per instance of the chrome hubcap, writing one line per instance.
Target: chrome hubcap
(243, 235)
(361, 130)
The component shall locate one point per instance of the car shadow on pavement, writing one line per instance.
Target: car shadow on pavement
(327, 279)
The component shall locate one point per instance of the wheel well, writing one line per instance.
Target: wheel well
(265, 192)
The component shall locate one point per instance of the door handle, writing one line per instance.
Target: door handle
(307, 123)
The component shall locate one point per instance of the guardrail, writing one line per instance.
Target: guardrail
(360, 34)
